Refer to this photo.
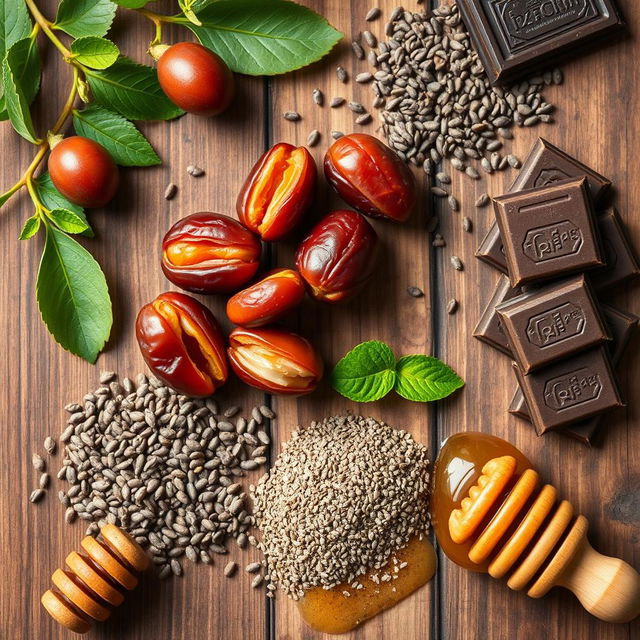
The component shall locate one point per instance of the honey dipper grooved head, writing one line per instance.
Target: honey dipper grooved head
(108, 562)
(125, 546)
(496, 474)
(63, 614)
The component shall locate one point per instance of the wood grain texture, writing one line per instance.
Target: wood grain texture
(595, 121)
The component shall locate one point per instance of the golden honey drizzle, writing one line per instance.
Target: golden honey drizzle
(331, 611)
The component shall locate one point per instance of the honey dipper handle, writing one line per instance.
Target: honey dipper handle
(608, 588)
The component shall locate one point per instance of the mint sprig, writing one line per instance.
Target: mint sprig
(369, 371)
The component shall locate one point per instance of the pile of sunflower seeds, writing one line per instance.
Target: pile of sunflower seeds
(438, 101)
(343, 496)
(165, 467)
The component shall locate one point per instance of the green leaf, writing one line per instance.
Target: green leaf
(52, 199)
(15, 24)
(30, 228)
(132, 4)
(81, 18)
(73, 296)
(26, 67)
(68, 221)
(425, 378)
(132, 90)
(366, 373)
(264, 38)
(94, 52)
(127, 146)
(186, 6)
(14, 96)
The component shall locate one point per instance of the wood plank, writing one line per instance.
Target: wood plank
(590, 125)
(384, 310)
(40, 377)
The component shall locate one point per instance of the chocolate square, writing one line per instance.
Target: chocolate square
(489, 328)
(621, 260)
(513, 37)
(571, 390)
(548, 232)
(544, 165)
(552, 323)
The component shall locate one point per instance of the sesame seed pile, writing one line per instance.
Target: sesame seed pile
(343, 496)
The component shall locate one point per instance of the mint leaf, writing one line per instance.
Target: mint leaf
(30, 227)
(52, 199)
(94, 52)
(73, 296)
(68, 221)
(132, 90)
(15, 94)
(425, 379)
(366, 373)
(127, 146)
(81, 18)
(263, 38)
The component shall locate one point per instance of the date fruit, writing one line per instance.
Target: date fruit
(278, 191)
(275, 360)
(210, 253)
(371, 177)
(196, 79)
(338, 256)
(83, 171)
(182, 344)
(267, 300)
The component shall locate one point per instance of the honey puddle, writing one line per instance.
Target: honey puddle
(331, 611)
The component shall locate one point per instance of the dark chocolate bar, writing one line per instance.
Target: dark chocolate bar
(514, 37)
(552, 323)
(621, 260)
(548, 232)
(571, 390)
(544, 165)
(621, 325)
(489, 328)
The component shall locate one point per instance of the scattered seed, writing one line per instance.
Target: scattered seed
(169, 194)
(439, 192)
(358, 51)
(456, 263)
(454, 205)
(467, 225)
(313, 138)
(318, 97)
(415, 292)
(365, 118)
(230, 568)
(513, 161)
(257, 581)
(472, 173)
(108, 376)
(356, 107)
(336, 102)
(439, 241)
(452, 306)
(253, 567)
(372, 14)
(341, 72)
(36, 495)
(291, 116)
(443, 178)
(38, 462)
(336, 134)
(482, 201)
(50, 445)
(370, 39)
(195, 171)
(44, 481)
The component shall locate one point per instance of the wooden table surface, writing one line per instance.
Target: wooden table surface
(596, 120)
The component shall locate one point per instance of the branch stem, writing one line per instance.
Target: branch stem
(46, 27)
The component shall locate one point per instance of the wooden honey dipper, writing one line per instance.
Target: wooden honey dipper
(95, 579)
(542, 546)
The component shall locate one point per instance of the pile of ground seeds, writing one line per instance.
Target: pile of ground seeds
(165, 467)
(437, 101)
(344, 495)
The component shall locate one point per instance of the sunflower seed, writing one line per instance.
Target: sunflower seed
(36, 495)
(372, 14)
(230, 568)
(342, 74)
(443, 178)
(482, 201)
(456, 263)
(336, 102)
(439, 192)
(358, 51)
(313, 138)
(50, 445)
(415, 292)
(336, 134)
(365, 118)
(257, 581)
(439, 241)
(38, 463)
(467, 225)
(452, 306)
(356, 107)
(291, 116)
(253, 567)
(195, 171)
(454, 205)
(44, 481)
(370, 39)
(169, 193)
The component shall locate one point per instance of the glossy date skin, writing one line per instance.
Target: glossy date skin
(278, 191)
(371, 177)
(275, 360)
(276, 294)
(210, 253)
(338, 257)
(182, 344)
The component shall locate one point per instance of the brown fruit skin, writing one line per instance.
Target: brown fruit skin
(196, 79)
(83, 171)
(338, 256)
